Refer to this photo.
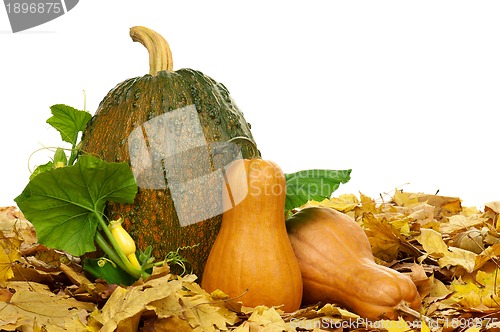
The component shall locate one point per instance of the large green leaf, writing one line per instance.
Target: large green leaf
(64, 203)
(313, 184)
(68, 121)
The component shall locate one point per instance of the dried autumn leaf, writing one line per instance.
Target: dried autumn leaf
(399, 325)
(434, 303)
(34, 304)
(444, 206)
(458, 257)
(126, 303)
(494, 206)
(490, 253)
(13, 224)
(384, 238)
(166, 297)
(473, 329)
(423, 282)
(490, 282)
(459, 223)
(422, 213)
(202, 312)
(343, 203)
(479, 294)
(432, 242)
(172, 323)
(368, 204)
(467, 294)
(331, 310)
(404, 198)
(471, 239)
(5, 294)
(264, 319)
(9, 253)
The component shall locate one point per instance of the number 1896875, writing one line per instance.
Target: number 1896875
(34, 7)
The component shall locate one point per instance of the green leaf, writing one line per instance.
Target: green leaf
(313, 184)
(64, 203)
(68, 121)
(42, 168)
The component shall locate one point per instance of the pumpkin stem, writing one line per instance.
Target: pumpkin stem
(405, 309)
(248, 141)
(160, 56)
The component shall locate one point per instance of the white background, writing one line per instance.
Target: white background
(406, 93)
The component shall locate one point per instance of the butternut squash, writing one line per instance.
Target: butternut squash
(252, 259)
(338, 266)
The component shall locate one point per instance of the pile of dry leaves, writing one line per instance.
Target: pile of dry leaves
(451, 253)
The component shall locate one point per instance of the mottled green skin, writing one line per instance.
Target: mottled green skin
(152, 220)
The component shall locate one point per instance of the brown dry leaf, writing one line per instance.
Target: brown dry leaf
(444, 206)
(438, 292)
(422, 213)
(172, 323)
(34, 304)
(419, 277)
(471, 239)
(13, 224)
(166, 297)
(23, 271)
(126, 303)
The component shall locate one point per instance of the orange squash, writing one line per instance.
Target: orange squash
(338, 266)
(252, 259)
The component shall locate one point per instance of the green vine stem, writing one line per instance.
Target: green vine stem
(113, 256)
(117, 254)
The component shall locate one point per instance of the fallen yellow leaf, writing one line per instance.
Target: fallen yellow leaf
(432, 242)
(458, 257)
(405, 199)
(9, 253)
(384, 238)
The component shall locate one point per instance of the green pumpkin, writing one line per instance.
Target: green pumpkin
(177, 130)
